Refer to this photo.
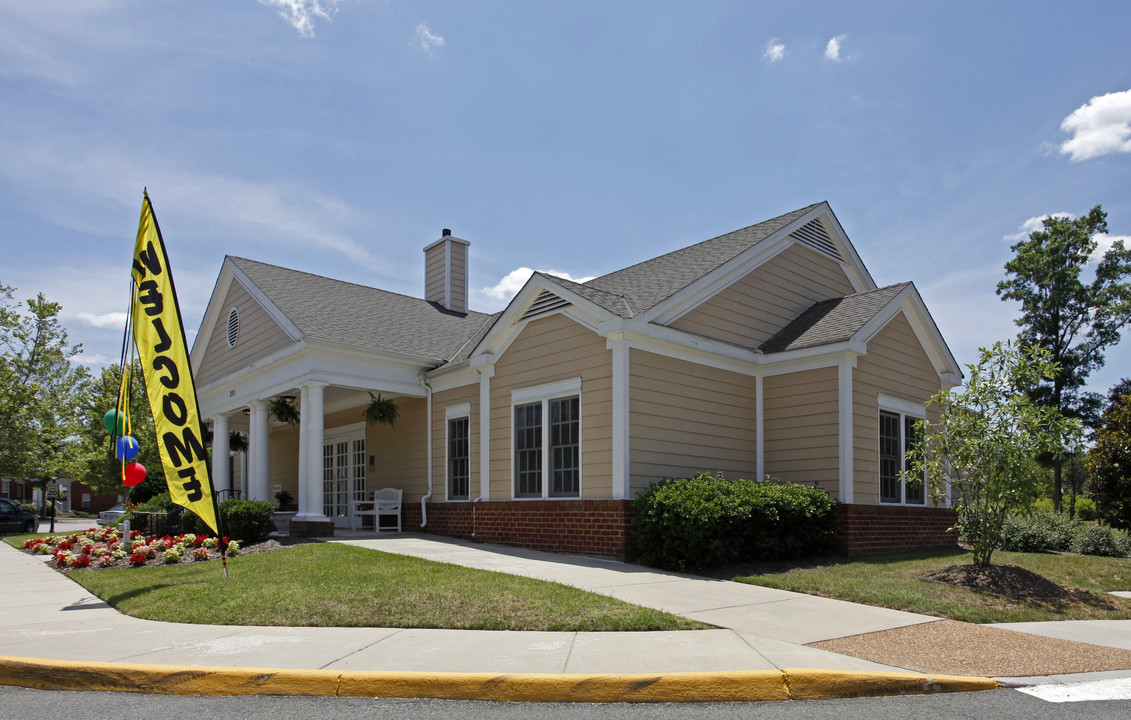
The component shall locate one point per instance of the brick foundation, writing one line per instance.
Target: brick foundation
(311, 528)
(869, 529)
(584, 527)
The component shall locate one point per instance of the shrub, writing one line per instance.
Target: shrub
(1097, 540)
(247, 521)
(1040, 531)
(707, 521)
(1085, 508)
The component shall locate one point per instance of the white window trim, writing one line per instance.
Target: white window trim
(524, 396)
(453, 412)
(544, 394)
(904, 409)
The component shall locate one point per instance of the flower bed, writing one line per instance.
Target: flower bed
(101, 548)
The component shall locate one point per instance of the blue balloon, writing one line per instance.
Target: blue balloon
(127, 448)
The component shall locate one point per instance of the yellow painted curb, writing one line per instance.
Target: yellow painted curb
(812, 684)
(789, 684)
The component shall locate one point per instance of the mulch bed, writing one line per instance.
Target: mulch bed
(958, 648)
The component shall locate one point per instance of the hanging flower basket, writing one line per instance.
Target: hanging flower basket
(284, 410)
(381, 411)
(237, 442)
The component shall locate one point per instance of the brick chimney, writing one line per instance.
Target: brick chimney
(445, 272)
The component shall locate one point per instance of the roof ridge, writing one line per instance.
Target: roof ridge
(345, 282)
(685, 248)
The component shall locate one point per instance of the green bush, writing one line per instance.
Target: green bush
(706, 521)
(1039, 531)
(160, 502)
(247, 521)
(1097, 540)
(1085, 508)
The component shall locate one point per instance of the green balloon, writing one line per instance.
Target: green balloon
(115, 422)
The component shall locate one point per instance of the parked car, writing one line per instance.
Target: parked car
(111, 515)
(15, 518)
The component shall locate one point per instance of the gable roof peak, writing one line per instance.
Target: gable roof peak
(648, 283)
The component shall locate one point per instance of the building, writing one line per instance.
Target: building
(765, 351)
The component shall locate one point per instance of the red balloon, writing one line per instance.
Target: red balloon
(135, 474)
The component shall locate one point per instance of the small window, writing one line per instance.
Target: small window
(898, 435)
(233, 326)
(459, 459)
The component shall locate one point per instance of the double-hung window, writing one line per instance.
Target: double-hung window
(547, 440)
(898, 435)
(459, 451)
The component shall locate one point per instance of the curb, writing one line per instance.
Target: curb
(740, 686)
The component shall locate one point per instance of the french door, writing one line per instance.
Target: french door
(343, 474)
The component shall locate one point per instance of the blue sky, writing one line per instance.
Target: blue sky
(340, 137)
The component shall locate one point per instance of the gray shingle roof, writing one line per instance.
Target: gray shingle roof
(646, 284)
(832, 321)
(336, 311)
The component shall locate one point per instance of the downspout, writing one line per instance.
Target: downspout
(424, 500)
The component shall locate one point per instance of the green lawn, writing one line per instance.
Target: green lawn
(893, 581)
(332, 585)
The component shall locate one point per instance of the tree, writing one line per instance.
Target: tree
(43, 393)
(1074, 320)
(1109, 462)
(103, 469)
(980, 450)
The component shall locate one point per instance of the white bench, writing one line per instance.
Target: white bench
(386, 501)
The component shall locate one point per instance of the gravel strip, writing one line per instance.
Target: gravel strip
(957, 648)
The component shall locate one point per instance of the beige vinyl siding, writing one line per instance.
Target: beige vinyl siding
(400, 452)
(896, 365)
(687, 418)
(259, 336)
(440, 401)
(802, 429)
(548, 350)
(434, 273)
(282, 460)
(459, 277)
(752, 310)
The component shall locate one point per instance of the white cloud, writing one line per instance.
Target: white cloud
(775, 50)
(1105, 243)
(832, 50)
(506, 288)
(93, 360)
(427, 38)
(301, 13)
(1099, 127)
(106, 320)
(1032, 225)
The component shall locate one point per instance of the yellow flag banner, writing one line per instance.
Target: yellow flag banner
(161, 347)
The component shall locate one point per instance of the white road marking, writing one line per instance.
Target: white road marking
(1115, 689)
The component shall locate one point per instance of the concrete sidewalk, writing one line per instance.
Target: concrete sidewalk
(43, 614)
(47, 616)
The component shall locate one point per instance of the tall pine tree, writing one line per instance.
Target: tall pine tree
(1075, 319)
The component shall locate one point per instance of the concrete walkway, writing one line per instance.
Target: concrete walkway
(45, 615)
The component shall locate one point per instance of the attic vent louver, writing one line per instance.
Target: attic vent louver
(233, 327)
(813, 234)
(546, 302)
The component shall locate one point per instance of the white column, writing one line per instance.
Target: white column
(310, 453)
(485, 374)
(759, 430)
(847, 474)
(258, 441)
(622, 466)
(221, 477)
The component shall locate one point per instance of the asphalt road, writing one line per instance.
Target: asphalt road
(23, 704)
